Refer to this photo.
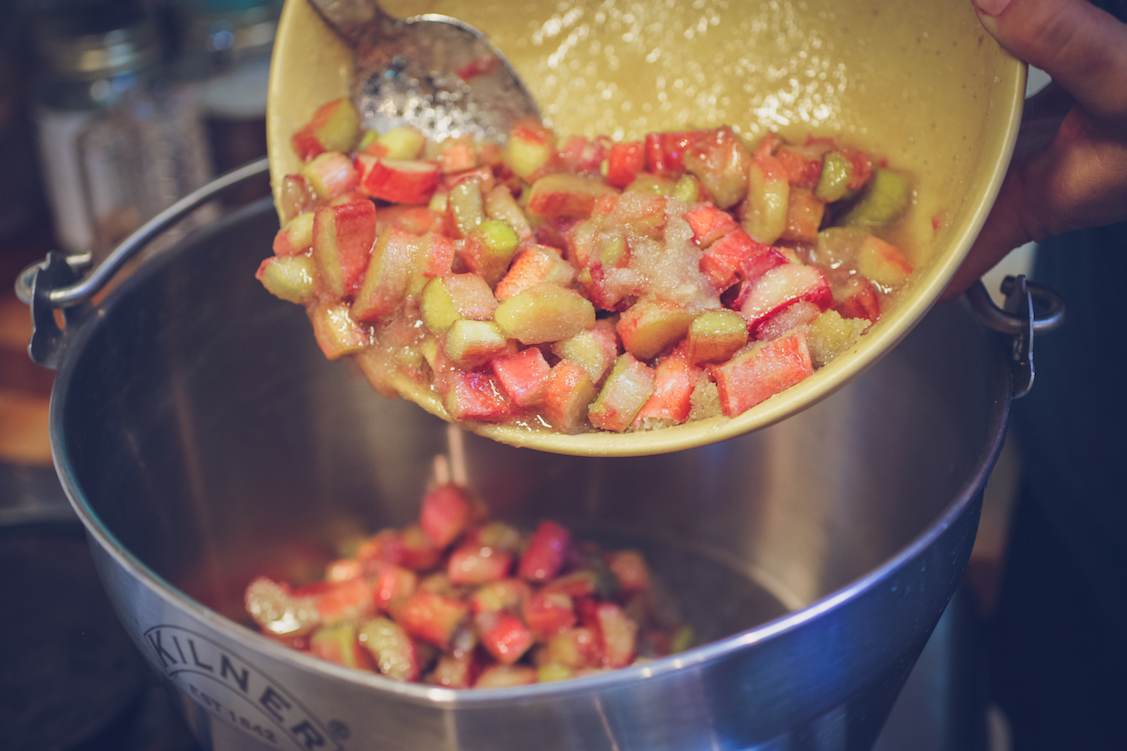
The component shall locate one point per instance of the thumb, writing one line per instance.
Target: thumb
(1082, 47)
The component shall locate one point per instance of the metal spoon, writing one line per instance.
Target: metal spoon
(433, 72)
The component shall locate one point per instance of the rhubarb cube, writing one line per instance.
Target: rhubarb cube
(882, 262)
(453, 671)
(489, 250)
(505, 676)
(477, 397)
(594, 349)
(383, 547)
(530, 147)
(624, 162)
(392, 650)
(452, 298)
(627, 389)
(523, 376)
(289, 278)
(857, 298)
(405, 181)
(830, 335)
(802, 165)
(649, 327)
(343, 601)
(338, 643)
(500, 205)
(296, 237)
(330, 175)
(336, 333)
(457, 154)
(342, 243)
(478, 564)
(674, 381)
(546, 552)
(393, 585)
(720, 160)
(295, 197)
(497, 535)
(472, 343)
(506, 638)
(465, 205)
(887, 197)
(804, 216)
(277, 611)
(574, 648)
(617, 634)
(568, 393)
(498, 596)
(564, 196)
(546, 613)
(709, 223)
(544, 313)
(432, 618)
(768, 200)
(792, 317)
(536, 264)
(716, 335)
(419, 553)
(736, 256)
(446, 514)
(402, 142)
(665, 152)
(765, 370)
(629, 568)
(334, 127)
(389, 270)
(783, 286)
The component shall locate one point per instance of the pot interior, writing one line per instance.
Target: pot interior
(197, 424)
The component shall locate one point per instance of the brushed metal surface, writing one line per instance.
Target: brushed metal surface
(203, 439)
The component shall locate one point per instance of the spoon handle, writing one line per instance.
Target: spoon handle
(356, 20)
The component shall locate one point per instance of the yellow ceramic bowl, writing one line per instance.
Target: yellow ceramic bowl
(918, 82)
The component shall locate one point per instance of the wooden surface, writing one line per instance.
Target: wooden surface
(24, 386)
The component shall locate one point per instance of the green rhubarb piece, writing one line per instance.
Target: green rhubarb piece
(833, 184)
(883, 202)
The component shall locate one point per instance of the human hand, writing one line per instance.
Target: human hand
(1070, 165)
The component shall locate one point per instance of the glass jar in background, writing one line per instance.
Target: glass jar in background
(21, 202)
(235, 38)
(120, 136)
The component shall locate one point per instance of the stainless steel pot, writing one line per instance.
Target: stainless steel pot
(202, 438)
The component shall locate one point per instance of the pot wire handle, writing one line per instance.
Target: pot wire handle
(1030, 308)
(57, 283)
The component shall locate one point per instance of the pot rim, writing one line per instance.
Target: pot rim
(255, 643)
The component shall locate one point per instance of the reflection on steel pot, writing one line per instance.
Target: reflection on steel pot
(203, 439)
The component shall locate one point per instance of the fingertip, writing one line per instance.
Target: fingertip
(990, 8)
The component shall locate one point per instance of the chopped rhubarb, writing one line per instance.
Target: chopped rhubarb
(477, 397)
(393, 585)
(627, 389)
(765, 370)
(296, 236)
(563, 196)
(567, 394)
(389, 270)
(546, 552)
(343, 237)
(720, 160)
(337, 334)
(594, 349)
(783, 286)
(882, 262)
(334, 127)
(549, 612)
(446, 514)
(455, 297)
(674, 381)
(709, 223)
(494, 597)
(338, 643)
(505, 676)
(392, 650)
(469, 344)
(331, 175)
(507, 639)
(478, 564)
(735, 256)
(453, 671)
(574, 648)
(650, 327)
(432, 618)
(523, 376)
(624, 163)
(536, 264)
(856, 297)
(544, 313)
(830, 334)
(629, 568)
(290, 278)
(617, 635)
(401, 180)
(530, 147)
(716, 335)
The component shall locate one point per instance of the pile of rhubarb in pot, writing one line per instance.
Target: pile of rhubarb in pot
(459, 601)
(586, 284)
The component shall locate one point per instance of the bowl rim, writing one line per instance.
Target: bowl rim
(1007, 97)
(251, 642)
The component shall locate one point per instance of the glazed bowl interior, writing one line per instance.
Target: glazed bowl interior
(205, 440)
(919, 83)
